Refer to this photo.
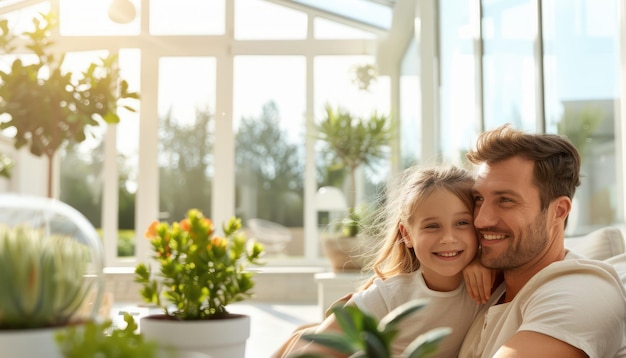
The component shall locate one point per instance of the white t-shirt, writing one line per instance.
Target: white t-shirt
(452, 309)
(578, 301)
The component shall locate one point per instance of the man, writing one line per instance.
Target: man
(552, 302)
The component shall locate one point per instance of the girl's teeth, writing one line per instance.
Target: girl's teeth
(448, 254)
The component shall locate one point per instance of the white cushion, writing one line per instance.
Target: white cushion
(599, 244)
(619, 262)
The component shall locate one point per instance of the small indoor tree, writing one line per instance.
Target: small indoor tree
(353, 142)
(47, 106)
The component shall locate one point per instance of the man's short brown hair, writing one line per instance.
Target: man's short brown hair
(557, 161)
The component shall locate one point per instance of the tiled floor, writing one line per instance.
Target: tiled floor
(271, 323)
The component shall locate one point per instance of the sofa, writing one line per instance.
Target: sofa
(600, 244)
(607, 244)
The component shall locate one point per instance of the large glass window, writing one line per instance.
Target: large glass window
(269, 106)
(326, 29)
(581, 67)
(508, 64)
(269, 52)
(91, 18)
(257, 20)
(458, 123)
(369, 12)
(336, 85)
(186, 115)
(187, 17)
(410, 104)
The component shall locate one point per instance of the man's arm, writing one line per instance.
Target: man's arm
(526, 344)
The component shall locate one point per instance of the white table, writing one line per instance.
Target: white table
(332, 286)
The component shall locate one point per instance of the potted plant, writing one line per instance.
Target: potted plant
(47, 106)
(50, 273)
(362, 335)
(352, 142)
(199, 274)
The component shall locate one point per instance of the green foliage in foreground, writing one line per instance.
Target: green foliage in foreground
(100, 340)
(363, 336)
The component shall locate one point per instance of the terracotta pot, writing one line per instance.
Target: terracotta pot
(223, 337)
(347, 254)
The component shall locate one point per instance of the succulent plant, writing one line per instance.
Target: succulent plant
(42, 277)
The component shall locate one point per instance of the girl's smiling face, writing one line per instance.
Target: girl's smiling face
(441, 233)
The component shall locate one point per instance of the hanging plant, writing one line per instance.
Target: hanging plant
(364, 76)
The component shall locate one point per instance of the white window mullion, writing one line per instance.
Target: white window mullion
(110, 197)
(425, 35)
(223, 191)
(147, 199)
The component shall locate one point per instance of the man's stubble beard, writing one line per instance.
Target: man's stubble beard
(533, 239)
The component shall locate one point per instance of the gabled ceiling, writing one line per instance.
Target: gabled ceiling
(375, 15)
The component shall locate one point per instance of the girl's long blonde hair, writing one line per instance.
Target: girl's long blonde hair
(401, 200)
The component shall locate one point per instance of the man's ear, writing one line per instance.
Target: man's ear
(406, 238)
(562, 208)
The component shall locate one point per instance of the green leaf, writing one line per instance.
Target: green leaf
(426, 344)
(392, 318)
(99, 340)
(363, 336)
(350, 320)
(142, 274)
(375, 346)
(332, 340)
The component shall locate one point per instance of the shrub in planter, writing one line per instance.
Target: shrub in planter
(199, 274)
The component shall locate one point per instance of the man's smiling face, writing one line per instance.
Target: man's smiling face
(507, 214)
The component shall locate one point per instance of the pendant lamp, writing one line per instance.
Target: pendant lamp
(122, 11)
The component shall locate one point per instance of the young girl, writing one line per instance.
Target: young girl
(430, 239)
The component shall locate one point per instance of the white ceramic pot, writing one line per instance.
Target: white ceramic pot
(215, 338)
(38, 342)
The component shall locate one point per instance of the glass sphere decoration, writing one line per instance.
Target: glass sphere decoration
(51, 264)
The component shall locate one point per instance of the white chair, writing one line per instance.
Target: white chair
(273, 236)
(330, 198)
